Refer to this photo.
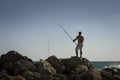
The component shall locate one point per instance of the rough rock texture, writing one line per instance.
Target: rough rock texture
(74, 77)
(62, 76)
(7, 77)
(21, 66)
(12, 57)
(73, 62)
(8, 60)
(80, 69)
(111, 73)
(56, 63)
(53, 60)
(28, 75)
(14, 66)
(106, 75)
(92, 74)
(45, 68)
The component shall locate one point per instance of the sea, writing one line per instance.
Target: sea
(105, 64)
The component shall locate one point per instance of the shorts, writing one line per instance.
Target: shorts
(79, 46)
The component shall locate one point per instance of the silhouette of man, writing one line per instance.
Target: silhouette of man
(80, 39)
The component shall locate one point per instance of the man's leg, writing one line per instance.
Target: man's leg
(80, 53)
(76, 53)
(76, 50)
(81, 50)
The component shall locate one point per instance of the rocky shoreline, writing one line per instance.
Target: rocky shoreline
(14, 66)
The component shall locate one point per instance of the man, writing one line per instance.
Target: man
(80, 39)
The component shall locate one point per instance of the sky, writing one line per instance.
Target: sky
(31, 28)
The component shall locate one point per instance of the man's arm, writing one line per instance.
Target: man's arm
(75, 39)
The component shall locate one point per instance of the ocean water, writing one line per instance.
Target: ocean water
(105, 64)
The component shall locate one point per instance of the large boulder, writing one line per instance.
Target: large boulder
(112, 73)
(115, 70)
(12, 57)
(7, 77)
(17, 78)
(2, 71)
(21, 66)
(28, 75)
(73, 62)
(80, 69)
(8, 60)
(61, 77)
(48, 77)
(53, 60)
(56, 63)
(9, 68)
(106, 75)
(92, 74)
(59, 67)
(116, 77)
(4, 76)
(45, 68)
(74, 77)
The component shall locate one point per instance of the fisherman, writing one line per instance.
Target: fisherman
(80, 39)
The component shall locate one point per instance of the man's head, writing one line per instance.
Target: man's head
(80, 33)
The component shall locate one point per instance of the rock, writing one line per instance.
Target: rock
(45, 68)
(108, 70)
(106, 75)
(56, 63)
(59, 67)
(116, 77)
(112, 73)
(75, 77)
(7, 77)
(92, 74)
(21, 66)
(14, 66)
(20, 71)
(4, 77)
(8, 60)
(48, 77)
(115, 71)
(28, 75)
(61, 76)
(9, 68)
(2, 71)
(53, 60)
(80, 69)
(12, 57)
(17, 78)
(73, 62)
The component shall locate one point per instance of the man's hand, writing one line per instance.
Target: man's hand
(73, 40)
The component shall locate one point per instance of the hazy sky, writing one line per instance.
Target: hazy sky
(26, 26)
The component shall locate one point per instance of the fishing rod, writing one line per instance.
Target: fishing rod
(66, 32)
(48, 46)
